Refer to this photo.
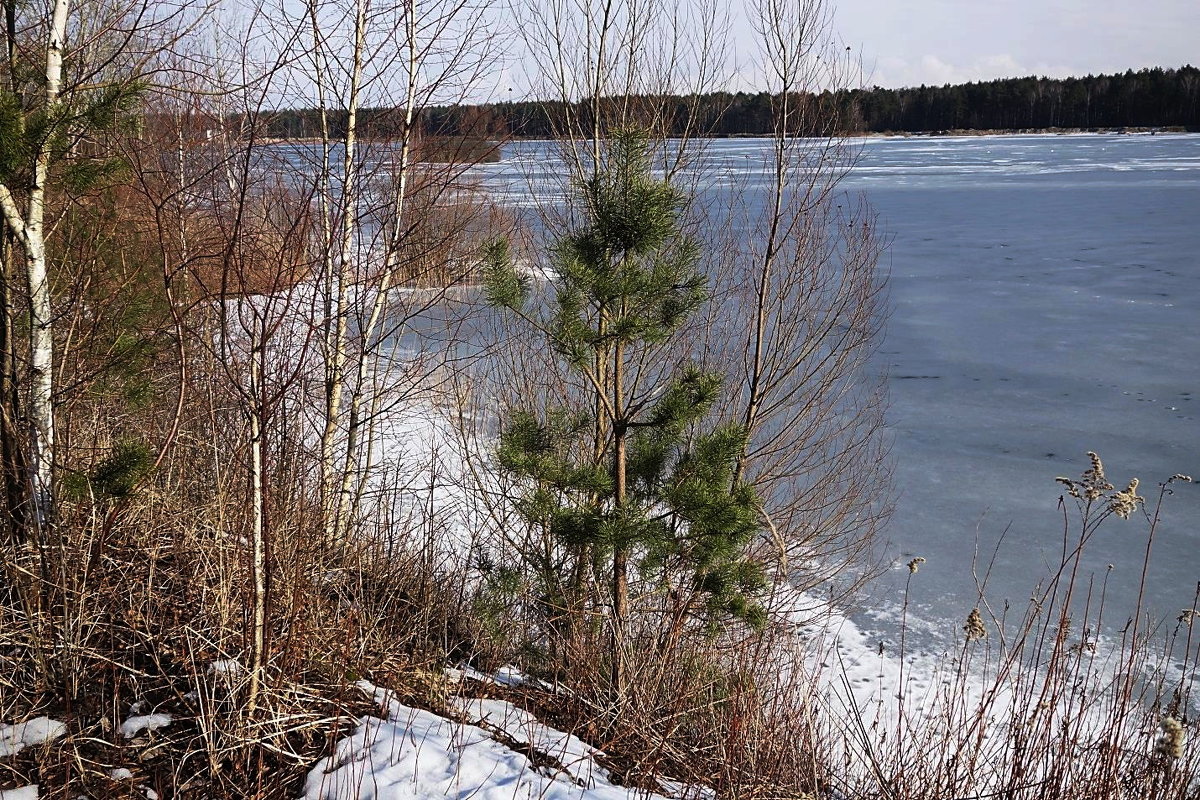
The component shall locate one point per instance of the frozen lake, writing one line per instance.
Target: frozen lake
(1045, 301)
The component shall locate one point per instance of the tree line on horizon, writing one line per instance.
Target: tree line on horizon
(1147, 98)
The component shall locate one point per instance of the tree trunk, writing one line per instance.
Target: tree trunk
(41, 334)
(11, 461)
(258, 565)
(348, 499)
(620, 577)
(336, 342)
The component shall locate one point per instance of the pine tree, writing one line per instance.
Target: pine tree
(635, 479)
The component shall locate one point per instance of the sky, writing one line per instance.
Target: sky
(933, 42)
(898, 42)
(910, 42)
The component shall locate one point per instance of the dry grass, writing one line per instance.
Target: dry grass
(141, 595)
(145, 599)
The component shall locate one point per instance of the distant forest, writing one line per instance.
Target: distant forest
(1148, 98)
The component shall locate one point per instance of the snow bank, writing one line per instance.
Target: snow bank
(15, 738)
(417, 755)
(576, 757)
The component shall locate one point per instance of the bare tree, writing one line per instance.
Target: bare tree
(301, 249)
(399, 57)
(806, 289)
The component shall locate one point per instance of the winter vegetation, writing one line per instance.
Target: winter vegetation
(327, 476)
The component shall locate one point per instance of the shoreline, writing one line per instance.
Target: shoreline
(1130, 130)
(959, 132)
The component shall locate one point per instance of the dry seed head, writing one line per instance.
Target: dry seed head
(1180, 477)
(1072, 489)
(1170, 741)
(1125, 502)
(1093, 481)
(915, 564)
(974, 627)
(1187, 615)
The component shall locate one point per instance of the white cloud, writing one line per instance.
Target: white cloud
(939, 41)
(934, 70)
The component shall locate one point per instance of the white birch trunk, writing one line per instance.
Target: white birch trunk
(258, 532)
(336, 350)
(328, 282)
(31, 232)
(348, 498)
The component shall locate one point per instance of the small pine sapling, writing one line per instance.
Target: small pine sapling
(633, 477)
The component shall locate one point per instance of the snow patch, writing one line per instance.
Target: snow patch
(24, 793)
(416, 755)
(228, 669)
(508, 675)
(146, 722)
(225, 666)
(15, 738)
(576, 757)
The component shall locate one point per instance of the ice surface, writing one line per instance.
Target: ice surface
(1036, 317)
(15, 738)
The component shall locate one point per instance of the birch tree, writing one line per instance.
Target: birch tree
(401, 56)
(313, 239)
(89, 59)
(28, 228)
